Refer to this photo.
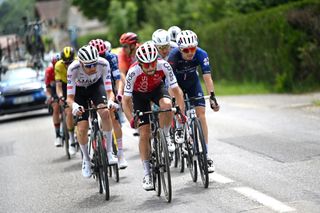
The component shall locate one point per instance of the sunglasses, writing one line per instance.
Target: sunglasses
(189, 49)
(163, 47)
(90, 65)
(148, 65)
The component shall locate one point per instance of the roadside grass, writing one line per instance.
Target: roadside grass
(316, 103)
(223, 88)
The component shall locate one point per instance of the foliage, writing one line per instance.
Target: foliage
(264, 47)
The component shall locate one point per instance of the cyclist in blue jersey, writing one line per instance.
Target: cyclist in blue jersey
(115, 79)
(184, 60)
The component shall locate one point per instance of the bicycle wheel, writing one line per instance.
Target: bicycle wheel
(190, 156)
(103, 169)
(201, 152)
(164, 166)
(181, 160)
(154, 167)
(65, 134)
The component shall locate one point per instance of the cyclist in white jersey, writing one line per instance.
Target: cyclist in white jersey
(161, 39)
(143, 85)
(90, 78)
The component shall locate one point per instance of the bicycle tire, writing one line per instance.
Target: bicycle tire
(182, 160)
(104, 165)
(201, 152)
(154, 166)
(65, 134)
(165, 167)
(189, 155)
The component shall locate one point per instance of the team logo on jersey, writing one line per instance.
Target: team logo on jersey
(206, 61)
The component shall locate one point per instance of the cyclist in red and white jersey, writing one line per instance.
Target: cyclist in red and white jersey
(89, 78)
(144, 84)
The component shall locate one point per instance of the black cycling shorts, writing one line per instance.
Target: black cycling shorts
(141, 101)
(95, 92)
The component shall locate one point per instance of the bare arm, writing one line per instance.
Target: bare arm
(208, 82)
(178, 94)
(127, 107)
(59, 89)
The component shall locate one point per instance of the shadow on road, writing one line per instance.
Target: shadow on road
(21, 116)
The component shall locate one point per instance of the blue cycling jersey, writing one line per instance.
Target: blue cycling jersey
(186, 71)
(113, 61)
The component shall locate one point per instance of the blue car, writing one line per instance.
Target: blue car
(21, 89)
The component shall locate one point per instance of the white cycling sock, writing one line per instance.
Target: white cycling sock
(84, 149)
(119, 142)
(71, 136)
(108, 137)
(146, 167)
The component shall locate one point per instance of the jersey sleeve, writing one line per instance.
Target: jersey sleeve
(203, 59)
(48, 74)
(170, 77)
(130, 80)
(71, 80)
(57, 72)
(107, 76)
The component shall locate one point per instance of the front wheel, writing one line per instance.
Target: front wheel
(165, 167)
(104, 166)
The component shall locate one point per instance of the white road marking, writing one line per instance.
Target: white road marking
(264, 199)
(219, 178)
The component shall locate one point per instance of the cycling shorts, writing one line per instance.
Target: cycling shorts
(141, 101)
(195, 90)
(95, 92)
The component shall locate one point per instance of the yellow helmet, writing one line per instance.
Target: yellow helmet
(67, 55)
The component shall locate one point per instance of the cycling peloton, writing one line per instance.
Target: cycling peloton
(60, 73)
(89, 78)
(143, 85)
(115, 79)
(184, 61)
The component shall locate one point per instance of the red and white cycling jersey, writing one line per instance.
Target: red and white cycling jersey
(77, 77)
(138, 81)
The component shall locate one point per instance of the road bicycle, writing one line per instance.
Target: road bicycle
(97, 149)
(63, 127)
(193, 150)
(159, 162)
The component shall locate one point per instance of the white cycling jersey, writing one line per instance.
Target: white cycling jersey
(138, 81)
(77, 77)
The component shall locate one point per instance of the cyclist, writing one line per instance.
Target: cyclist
(174, 31)
(143, 85)
(60, 73)
(108, 46)
(115, 79)
(184, 61)
(161, 39)
(89, 78)
(52, 97)
(126, 56)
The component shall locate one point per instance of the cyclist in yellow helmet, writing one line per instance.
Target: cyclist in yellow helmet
(60, 74)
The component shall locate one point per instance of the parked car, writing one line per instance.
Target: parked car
(21, 89)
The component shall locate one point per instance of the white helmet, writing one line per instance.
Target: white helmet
(174, 31)
(161, 37)
(108, 45)
(88, 54)
(187, 38)
(147, 52)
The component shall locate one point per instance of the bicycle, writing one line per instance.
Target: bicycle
(63, 128)
(159, 162)
(194, 146)
(97, 144)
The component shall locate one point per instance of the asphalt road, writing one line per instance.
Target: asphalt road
(266, 150)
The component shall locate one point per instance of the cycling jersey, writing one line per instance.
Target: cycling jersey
(113, 61)
(186, 71)
(138, 81)
(126, 61)
(77, 76)
(49, 76)
(60, 71)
